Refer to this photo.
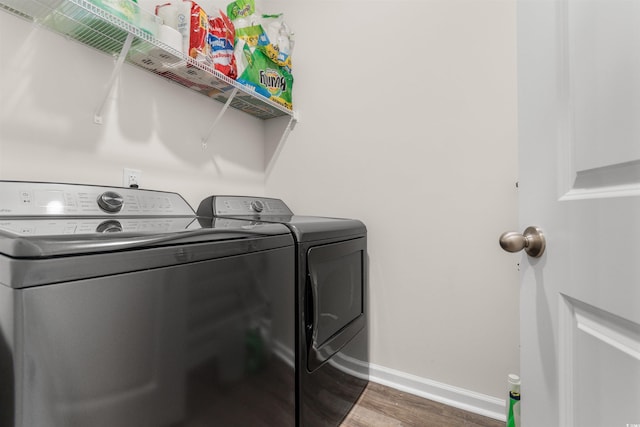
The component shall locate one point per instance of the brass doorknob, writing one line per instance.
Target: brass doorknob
(532, 241)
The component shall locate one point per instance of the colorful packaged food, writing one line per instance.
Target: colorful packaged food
(195, 29)
(265, 76)
(241, 10)
(263, 47)
(277, 39)
(220, 42)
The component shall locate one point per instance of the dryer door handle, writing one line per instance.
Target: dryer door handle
(310, 311)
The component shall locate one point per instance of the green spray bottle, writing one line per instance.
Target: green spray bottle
(513, 416)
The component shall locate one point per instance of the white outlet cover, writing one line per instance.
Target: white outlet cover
(131, 177)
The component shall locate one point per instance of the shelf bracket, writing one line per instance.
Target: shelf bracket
(292, 124)
(97, 117)
(205, 140)
(295, 118)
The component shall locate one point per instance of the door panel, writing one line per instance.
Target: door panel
(604, 87)
(600, 89)
(600, 368)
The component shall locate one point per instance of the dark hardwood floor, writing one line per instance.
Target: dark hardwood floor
(381, 406)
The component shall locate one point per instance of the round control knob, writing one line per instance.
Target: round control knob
(110, 202)
(257, 206)
(109, 226)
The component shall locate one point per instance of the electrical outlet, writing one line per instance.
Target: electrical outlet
(131, 178)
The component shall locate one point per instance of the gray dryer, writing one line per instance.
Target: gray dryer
(332, 359)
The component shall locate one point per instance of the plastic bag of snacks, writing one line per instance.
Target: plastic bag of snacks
(263, 52)
(277, 40)
(241, 12)
(220, 42)
(267, 78)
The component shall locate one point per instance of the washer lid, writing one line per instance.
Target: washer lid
(23, 243)
(56, 262)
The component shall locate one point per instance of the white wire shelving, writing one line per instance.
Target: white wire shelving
(83, 21)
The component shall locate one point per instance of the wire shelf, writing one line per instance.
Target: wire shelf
(92, 26)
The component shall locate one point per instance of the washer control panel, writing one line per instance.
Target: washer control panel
(246, 205)
(26, 199)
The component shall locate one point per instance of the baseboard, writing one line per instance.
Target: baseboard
(460, 398)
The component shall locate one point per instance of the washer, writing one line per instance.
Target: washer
(332, 359)
(119, 308)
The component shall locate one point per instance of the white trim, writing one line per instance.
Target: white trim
(457, 397)
(627, 190)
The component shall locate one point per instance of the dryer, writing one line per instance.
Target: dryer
(332, 358)
(118, 308)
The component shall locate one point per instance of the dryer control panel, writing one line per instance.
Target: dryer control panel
(246, 205)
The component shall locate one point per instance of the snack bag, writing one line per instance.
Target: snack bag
(252, 35)
(194, 29)
(220, 42)
(240, 12)
(276, 40)
(265, 76)
(262, 64)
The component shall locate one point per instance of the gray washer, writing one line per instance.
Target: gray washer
(131, 313)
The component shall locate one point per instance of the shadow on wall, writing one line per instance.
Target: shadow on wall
(43, 98)
(51, 88)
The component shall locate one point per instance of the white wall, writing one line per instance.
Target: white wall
(49, 89)
(408, 122)
(408, 115)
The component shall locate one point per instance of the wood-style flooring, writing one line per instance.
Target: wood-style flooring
(381, 406)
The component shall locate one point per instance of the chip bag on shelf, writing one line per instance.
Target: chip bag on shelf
(267, 78)
(276, 39)
(263, 45)
(220, 42)
(241, 12)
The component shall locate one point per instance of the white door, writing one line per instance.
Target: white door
(579, 136)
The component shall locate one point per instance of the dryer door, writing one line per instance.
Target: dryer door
(334, 298)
